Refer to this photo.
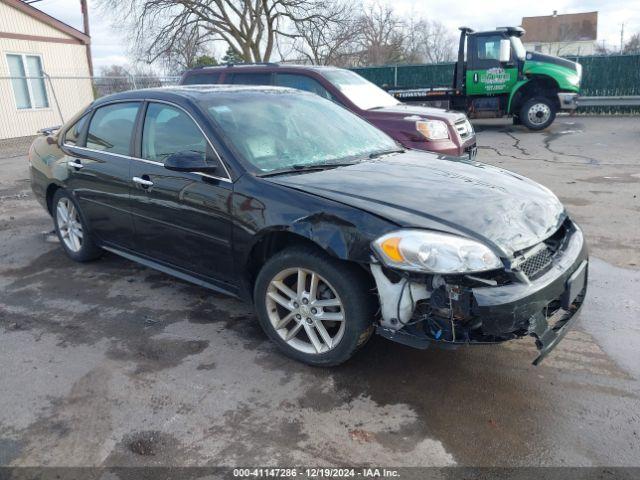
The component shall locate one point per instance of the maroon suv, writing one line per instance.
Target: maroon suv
(417, 127)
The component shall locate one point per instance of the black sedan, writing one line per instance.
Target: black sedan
(334, 232)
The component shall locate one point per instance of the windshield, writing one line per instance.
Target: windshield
(279, 129)
(521, 52)
(362, 92)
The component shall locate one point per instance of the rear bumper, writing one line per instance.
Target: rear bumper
(568, 100)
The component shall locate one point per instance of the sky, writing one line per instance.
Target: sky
(109, 46)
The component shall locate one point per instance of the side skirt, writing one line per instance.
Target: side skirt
(171, 271)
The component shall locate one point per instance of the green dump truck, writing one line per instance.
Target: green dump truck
(495, 76)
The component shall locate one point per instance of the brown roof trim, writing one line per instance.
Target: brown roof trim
(38, 38)
(49, 20)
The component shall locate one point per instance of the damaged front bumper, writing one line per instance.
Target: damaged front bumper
(544, 307)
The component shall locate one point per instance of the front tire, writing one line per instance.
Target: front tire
(317, 309)
(537, 113)
(71, 228)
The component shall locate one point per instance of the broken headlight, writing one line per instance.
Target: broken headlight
(431, 252)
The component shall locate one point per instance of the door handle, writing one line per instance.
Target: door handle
(75, 163)
(143, 182)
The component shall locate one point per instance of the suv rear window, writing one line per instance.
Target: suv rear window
(251, 78)
(201, 78)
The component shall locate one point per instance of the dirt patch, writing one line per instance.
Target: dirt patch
(576, 202)
(149, 447)
(206, 366)
(153, 355)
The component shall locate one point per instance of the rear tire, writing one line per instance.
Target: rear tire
(71, 228)
(321, 334)
(537, 113)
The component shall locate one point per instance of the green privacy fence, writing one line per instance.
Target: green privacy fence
(602, 75)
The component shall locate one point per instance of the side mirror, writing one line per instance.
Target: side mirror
(505, 51)
(189, 161)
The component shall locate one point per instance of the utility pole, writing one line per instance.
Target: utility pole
(622, 38)
(85, 23)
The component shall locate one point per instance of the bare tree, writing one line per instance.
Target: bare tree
(112, 79)
(182, 51)
(440, 44)
(382, 36)
(633, 44)
(249, 27)
(329, 43)
(428, 41)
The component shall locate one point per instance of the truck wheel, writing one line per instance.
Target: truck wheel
(317, 309)
(537, 113)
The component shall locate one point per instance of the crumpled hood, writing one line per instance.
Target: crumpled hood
(422, 190)
(405, 110)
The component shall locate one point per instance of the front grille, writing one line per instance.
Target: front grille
(536, 263)
(464, 128)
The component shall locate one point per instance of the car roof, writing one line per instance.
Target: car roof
(262, 66)
(192, 92)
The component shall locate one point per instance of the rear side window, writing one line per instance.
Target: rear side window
(201, 79)
(72, 137)
(111, 128)
(251, 78)
(302, 82)
(168, 130)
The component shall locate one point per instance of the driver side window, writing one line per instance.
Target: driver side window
(168, 130)
(489, 47)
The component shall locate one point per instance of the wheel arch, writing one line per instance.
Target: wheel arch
(329, 237)
(51, 190)
(536, 85)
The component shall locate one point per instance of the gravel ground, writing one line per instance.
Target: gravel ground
(110, 363)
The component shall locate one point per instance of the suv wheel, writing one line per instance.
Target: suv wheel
(537, 113)
(317, 309)
(73, 231)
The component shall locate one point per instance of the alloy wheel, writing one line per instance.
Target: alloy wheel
(69, 224)
(305, 310)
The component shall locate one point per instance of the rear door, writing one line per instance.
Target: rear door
(486, 75)
(181, 219)
(98, 163)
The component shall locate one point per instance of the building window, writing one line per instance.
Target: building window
(27, 81)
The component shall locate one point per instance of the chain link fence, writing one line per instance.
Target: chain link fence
(107, 85)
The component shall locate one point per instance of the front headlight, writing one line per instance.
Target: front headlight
(433, 129)
(422, 251)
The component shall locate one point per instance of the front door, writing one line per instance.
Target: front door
(98, 160)
(486, 75)
(182, 219)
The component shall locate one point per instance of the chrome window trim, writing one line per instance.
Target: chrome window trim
(151, 162)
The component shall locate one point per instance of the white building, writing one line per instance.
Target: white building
(45, 67)
(561, 35)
